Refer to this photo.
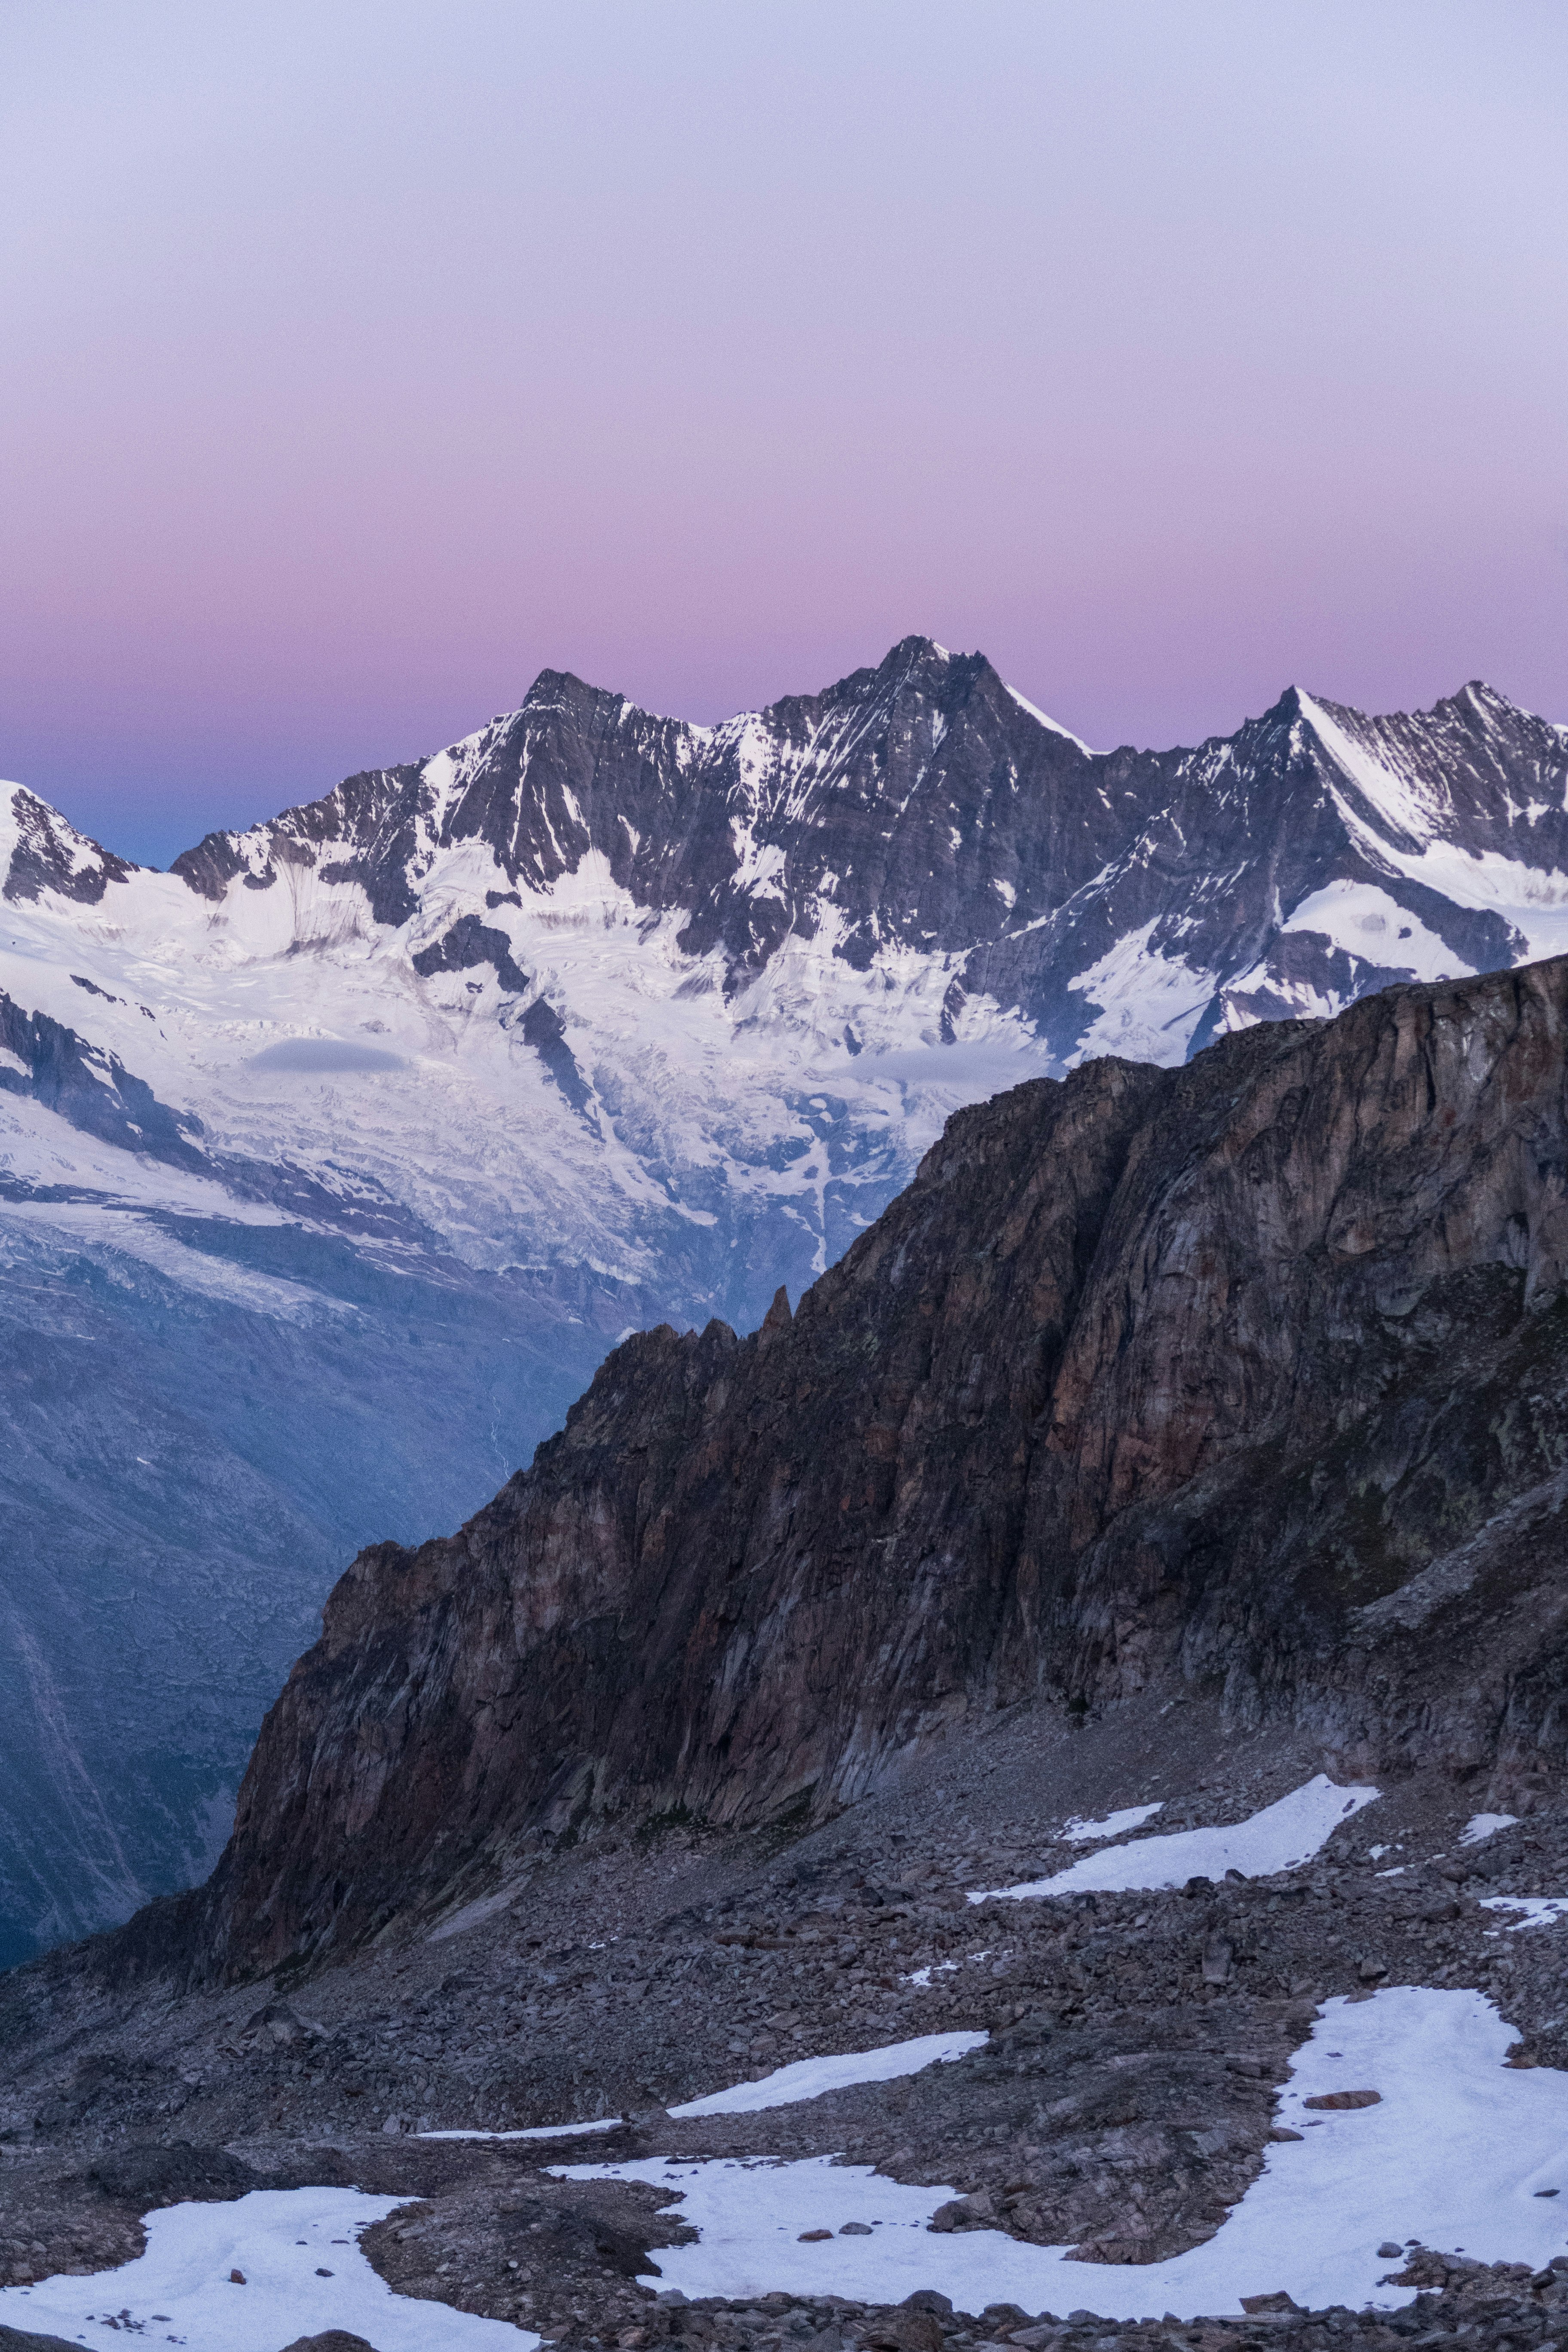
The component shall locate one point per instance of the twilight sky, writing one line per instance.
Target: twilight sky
(361, 357)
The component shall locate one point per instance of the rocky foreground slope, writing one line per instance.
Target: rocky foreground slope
(1131, 2082)
(1179, 1436)
(1246, 1377)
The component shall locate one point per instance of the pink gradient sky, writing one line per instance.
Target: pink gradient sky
(359, 360)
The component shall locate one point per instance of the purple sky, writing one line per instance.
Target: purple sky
(362, 358)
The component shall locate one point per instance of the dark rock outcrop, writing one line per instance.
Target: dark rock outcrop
(336, 2339)
(469, 942)
(48, 854)
(147, 2174)
(91, 1088)
(1247, 1375)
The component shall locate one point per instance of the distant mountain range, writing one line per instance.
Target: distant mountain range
(332, 1159)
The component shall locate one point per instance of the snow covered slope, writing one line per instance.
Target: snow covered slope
(331, 1161)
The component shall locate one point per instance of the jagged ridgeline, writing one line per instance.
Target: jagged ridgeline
(1246, 1377)
(332, 1160)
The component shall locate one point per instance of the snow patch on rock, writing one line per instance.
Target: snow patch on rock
(1451, 2154)
(1281, 1837)
(302, 2273)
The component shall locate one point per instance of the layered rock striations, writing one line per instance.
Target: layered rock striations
(1245, 1376)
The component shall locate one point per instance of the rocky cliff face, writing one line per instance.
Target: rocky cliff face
(1247, 1375)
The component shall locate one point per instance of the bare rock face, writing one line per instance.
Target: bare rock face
(1246, 1375)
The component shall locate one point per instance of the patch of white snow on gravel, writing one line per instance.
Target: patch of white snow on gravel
(806, 2078)
(1540, 1910)
(1485, 1825)
(1280, 1837)
(1130, 1817)
(531, 2131)
(297, 2251)
(1452, 2154)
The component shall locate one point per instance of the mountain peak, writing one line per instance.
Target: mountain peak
(1294, 704)
(1489, 701)
(916, 649)
(43, 851)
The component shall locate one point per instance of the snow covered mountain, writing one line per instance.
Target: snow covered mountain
(332, 1159)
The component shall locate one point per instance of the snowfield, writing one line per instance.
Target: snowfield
(1453, 2153)
(1540, 1910)
(1281, 1837)
(1451, 2156)
(806, 2078)
(301, 2274)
